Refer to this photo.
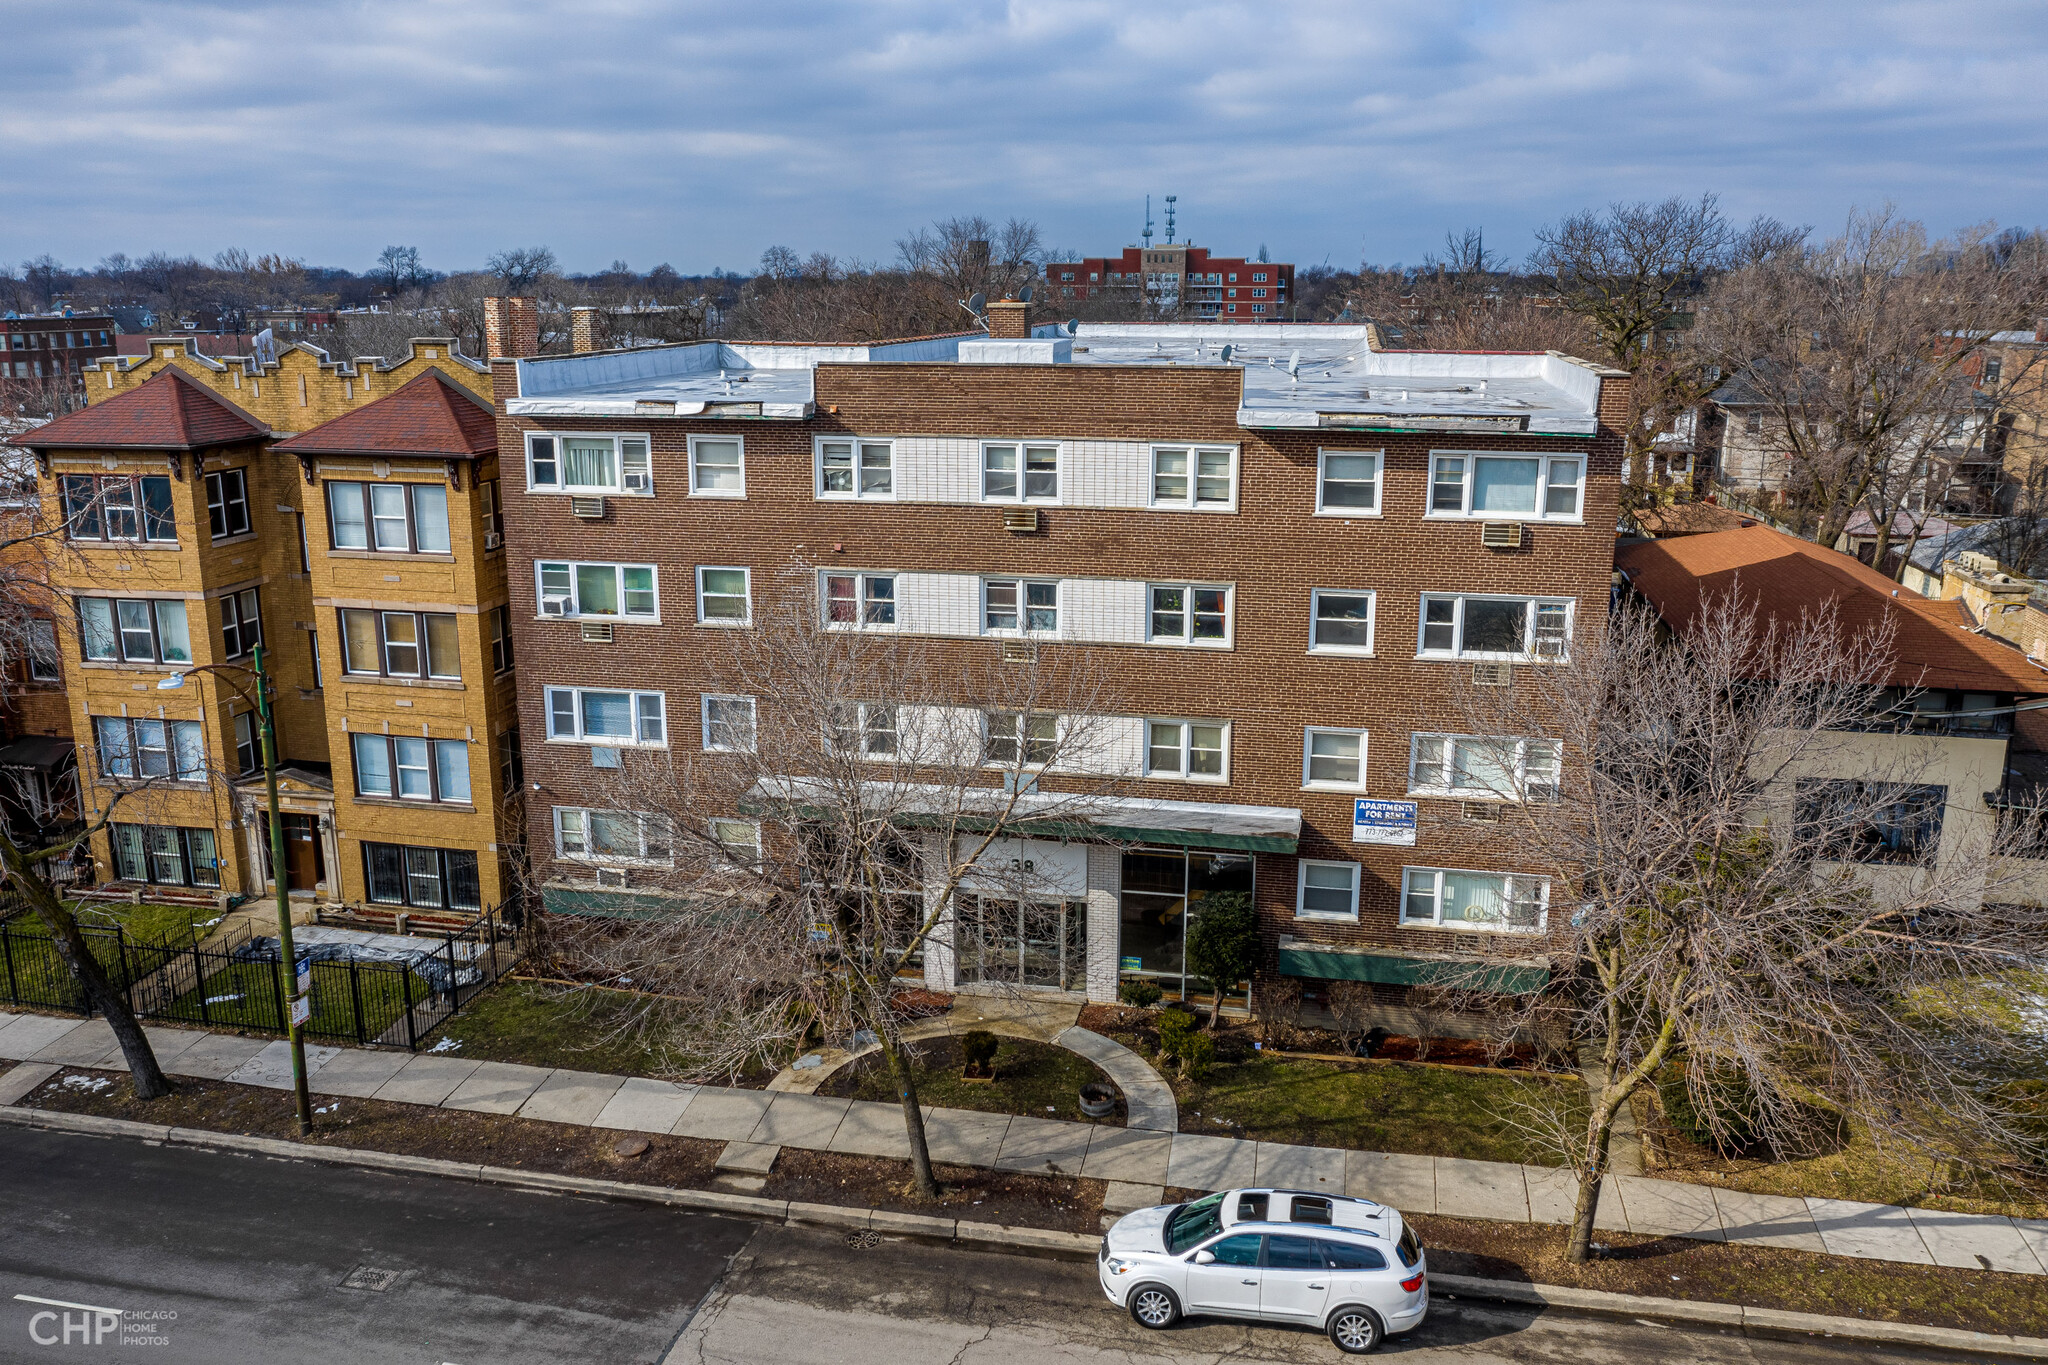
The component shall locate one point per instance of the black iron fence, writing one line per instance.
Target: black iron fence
(237, 981)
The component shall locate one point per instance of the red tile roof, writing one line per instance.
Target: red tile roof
(432, 415)
(168, 411)
(1784, 577)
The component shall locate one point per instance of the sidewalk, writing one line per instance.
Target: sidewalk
(1142, 1161)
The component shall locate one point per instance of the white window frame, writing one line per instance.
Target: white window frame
(638, 703)
(1372, 621)
(1308, 735)
(574, 607)
(1191, 502)
(704, 723)
(727, 848)
(858, 729)
(1023, 739)
(1544, 462)
(1187, 724)
(746, 617)
(1527, 654)
(858, 494)
(1502, 926)
(643, 820)
(1022, 629)
(617, 488)
(736, 439)
(1379, 483)
(860, 579)
(1059, 472)
(1301, 910)
(1186, 639)
(1444, 783)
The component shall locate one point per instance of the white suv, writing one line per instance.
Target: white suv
(1348, 1266)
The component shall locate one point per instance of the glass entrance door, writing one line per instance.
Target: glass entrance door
(1037, 943)
(1163, 892)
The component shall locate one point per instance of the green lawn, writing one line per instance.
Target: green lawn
(1031, 1078)
(174, 924)
(542, 1025)
(245, 996)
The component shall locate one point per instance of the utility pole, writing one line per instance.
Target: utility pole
(301, 998)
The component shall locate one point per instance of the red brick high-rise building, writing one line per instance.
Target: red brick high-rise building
(1203, 286)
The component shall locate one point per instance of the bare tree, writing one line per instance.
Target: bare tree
(1741, 894)
(521, 269)
(399, 268)
(865, 798)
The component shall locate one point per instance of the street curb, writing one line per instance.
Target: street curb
(1754, 1322)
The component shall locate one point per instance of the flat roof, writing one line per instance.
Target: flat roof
(1292, 376)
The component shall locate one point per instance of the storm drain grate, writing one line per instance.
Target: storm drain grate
(864, 1240)
(370, 1278)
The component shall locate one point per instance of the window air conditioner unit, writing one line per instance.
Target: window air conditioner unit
(1492, 675)
(590, 509)
(598, 632)
(493, 541)
(1016, 652)
(554, 606)
(1501, 535)
(1485, 812)
(636, 481)
(1020, 519)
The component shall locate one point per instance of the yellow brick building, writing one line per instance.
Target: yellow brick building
(345, 516)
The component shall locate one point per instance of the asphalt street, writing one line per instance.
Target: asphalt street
(218, 1259)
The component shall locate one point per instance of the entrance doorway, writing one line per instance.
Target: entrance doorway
(1021, 943)
(304, 864)
(1163, 890)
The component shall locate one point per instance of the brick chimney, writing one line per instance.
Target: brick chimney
(1006, 320)
(2040, 330)
(582, 330)
(511, 329)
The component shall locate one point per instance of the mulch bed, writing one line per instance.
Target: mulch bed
(1063, 1203)
(1237, 1038)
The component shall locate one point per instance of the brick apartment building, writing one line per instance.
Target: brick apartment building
(344, 516)
(1202, 286)
(1287, 570)
(43, 347)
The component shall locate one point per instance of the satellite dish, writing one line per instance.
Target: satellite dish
(1294, 366)
(1227, 348)
(1073, 326)
(977, 303)
(1024, 294)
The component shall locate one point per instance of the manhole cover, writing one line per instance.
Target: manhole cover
(864, 1240)
(370, 1278)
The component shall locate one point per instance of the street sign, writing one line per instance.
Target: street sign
(1382, 822)
(302, 1010)
(305, 975)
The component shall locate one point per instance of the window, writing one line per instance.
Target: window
(227, 503)
(572, 589)
(164, 854)
(1527, 487)
(1185, 476)
(134, 630)
(613, 835)
(1012, 606)
(861, 599)
(400, 644)
(1753, 423)
(248, 744)
(1340, 622)
(1347, 483)
(581, 713)
(500, 619)
(739, 841)
(718, 467)
(411, 767)
(426, 878)
(1333, 758)
(118, 507)
(137, 747)
(1190, 614)
(722, 598)
(511, 763)
(241, 624)
(875, 729)
(1013, 472)
(729, 724)
(490, 509)
(1326, 890)
(1350, 1256)
(1504, 768)
(856, 469)
(313, 648)
(588, 463)
(1872, 822)
(1012, 738)
(389, 518)
(43, 665)
(1449, 899)
(1495, 628)
(1993, 368)
(1258, 277)
(1193, 750)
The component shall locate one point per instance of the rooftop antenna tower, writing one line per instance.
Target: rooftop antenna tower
(1170, 200)
(1148, 220)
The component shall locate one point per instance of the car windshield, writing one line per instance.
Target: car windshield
(1192, 1223)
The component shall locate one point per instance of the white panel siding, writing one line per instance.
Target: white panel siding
(939, 734)
(938, 469)
(1103, 610)
(938, 603)
(1108, 474)
(1110, 745)
(1092, 473)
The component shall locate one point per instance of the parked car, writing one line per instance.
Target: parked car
(1348, 1266)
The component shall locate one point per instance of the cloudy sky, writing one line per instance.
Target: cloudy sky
(699, 134)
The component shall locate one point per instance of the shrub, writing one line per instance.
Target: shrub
(1223, 944)
(1140, 993)
(1196, 1054)
(979, 1047)
(1176, 1027)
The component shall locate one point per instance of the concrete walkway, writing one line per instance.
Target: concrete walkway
(1139, 1162)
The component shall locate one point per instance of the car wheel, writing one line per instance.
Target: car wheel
(1356, 1330)
(1153, 1305)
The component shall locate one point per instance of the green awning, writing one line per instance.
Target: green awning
(562, 900)
(1404, 969)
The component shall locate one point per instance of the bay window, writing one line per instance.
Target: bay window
(389, 518)
(400, 644)
(118, 507)
(241, 623)
(139, 747)
(411, 768)
(227, 503)
(134, 630)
